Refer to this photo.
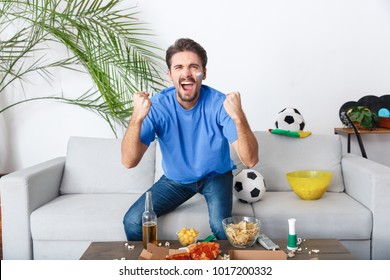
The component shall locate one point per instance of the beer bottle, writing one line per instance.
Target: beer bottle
(149, 222)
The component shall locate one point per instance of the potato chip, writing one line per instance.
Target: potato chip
(242, 233)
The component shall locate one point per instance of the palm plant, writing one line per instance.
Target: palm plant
(108, 42)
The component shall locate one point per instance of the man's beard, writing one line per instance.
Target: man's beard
(187, 98)
(182, 96)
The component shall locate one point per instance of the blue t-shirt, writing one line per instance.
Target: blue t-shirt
(194, 143)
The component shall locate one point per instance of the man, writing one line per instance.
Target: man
(194, 125)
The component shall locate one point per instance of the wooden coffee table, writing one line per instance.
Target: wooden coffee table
(329, 249)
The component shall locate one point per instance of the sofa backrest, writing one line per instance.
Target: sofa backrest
(280, 154)
(93, 165)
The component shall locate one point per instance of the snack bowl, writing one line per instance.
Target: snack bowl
(241, 231)
(309, 184)
(187, 236)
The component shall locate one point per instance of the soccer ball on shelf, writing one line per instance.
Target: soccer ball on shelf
(249, 186)
(290, 119)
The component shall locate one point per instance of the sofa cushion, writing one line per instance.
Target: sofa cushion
(93, 217)
(93, 165)
(334, 215)
(280, 154)
(81, 216)
(194, 213)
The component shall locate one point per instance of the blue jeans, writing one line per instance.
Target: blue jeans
(167, 195)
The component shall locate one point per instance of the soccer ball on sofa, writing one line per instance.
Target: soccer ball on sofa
(249, 186)
(290, 119)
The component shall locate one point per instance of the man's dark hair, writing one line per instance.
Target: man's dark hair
(186, 44)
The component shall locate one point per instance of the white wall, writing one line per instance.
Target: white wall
(310, 54)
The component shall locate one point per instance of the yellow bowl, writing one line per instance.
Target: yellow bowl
(309, 184)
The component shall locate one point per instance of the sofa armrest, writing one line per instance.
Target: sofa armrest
(22, 192)
(369, 183)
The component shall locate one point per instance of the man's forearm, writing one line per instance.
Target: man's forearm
(132, 147)
(247, 146)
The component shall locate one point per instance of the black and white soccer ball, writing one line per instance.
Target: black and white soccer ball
(249, 186)
(290, 119)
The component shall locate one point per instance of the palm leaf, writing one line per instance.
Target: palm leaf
(111, 44)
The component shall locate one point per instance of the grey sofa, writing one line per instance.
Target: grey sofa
(55, 209)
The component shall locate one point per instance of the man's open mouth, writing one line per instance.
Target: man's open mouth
(187, 85)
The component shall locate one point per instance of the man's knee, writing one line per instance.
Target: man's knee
(133, 226)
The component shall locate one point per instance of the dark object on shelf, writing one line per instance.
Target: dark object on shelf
(385, 97)
(344, 109)
(368, 99)
(361, 146)
(379, 106)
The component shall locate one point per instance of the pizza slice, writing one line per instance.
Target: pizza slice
(179, 256)
(204, 251)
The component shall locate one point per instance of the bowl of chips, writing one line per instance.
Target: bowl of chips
(241, 231)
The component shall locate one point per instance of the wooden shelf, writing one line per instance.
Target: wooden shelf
(350, 131)
(346, 131)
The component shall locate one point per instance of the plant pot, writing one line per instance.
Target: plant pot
(384, 122)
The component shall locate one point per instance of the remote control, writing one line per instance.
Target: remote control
(267, 243)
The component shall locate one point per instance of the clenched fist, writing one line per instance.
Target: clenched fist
(142, 105)
(232, 105)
